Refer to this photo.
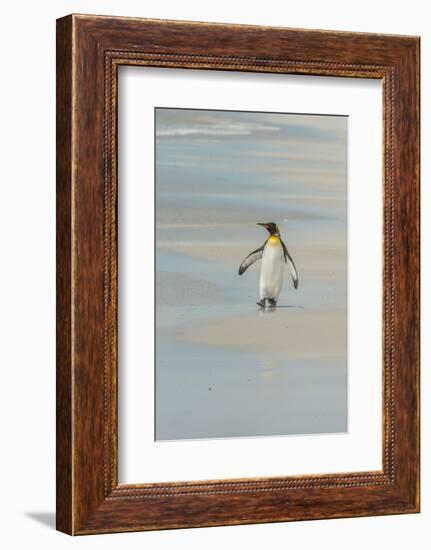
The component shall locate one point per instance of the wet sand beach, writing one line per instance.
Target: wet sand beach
(224, 367)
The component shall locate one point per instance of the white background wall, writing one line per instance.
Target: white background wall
(27, 239)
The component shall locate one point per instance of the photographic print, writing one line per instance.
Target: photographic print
(251, 274)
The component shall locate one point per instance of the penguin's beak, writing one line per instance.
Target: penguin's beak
(265, 225)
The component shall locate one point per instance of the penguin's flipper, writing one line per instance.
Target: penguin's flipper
(250, 259)
(288, 258)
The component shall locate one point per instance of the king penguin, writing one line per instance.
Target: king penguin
(274, 256)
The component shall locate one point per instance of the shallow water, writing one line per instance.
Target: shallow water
(205, 392)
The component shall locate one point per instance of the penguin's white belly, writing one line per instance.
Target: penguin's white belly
(272, 269)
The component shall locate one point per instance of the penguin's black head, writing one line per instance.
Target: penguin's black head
(271, 227)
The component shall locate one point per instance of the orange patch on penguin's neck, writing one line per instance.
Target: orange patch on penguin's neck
(274, 239)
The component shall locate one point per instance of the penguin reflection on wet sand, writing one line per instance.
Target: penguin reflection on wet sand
(274, 256)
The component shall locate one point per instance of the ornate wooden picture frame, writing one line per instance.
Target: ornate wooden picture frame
(89, 51)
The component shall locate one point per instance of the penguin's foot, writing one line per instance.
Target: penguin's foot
(261, 303)
(272, 302)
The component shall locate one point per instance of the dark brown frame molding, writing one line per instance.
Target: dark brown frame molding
(89, 51)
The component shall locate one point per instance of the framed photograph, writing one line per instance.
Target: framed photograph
(237, 274)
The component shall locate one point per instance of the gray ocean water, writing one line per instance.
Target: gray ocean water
(224, 368)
